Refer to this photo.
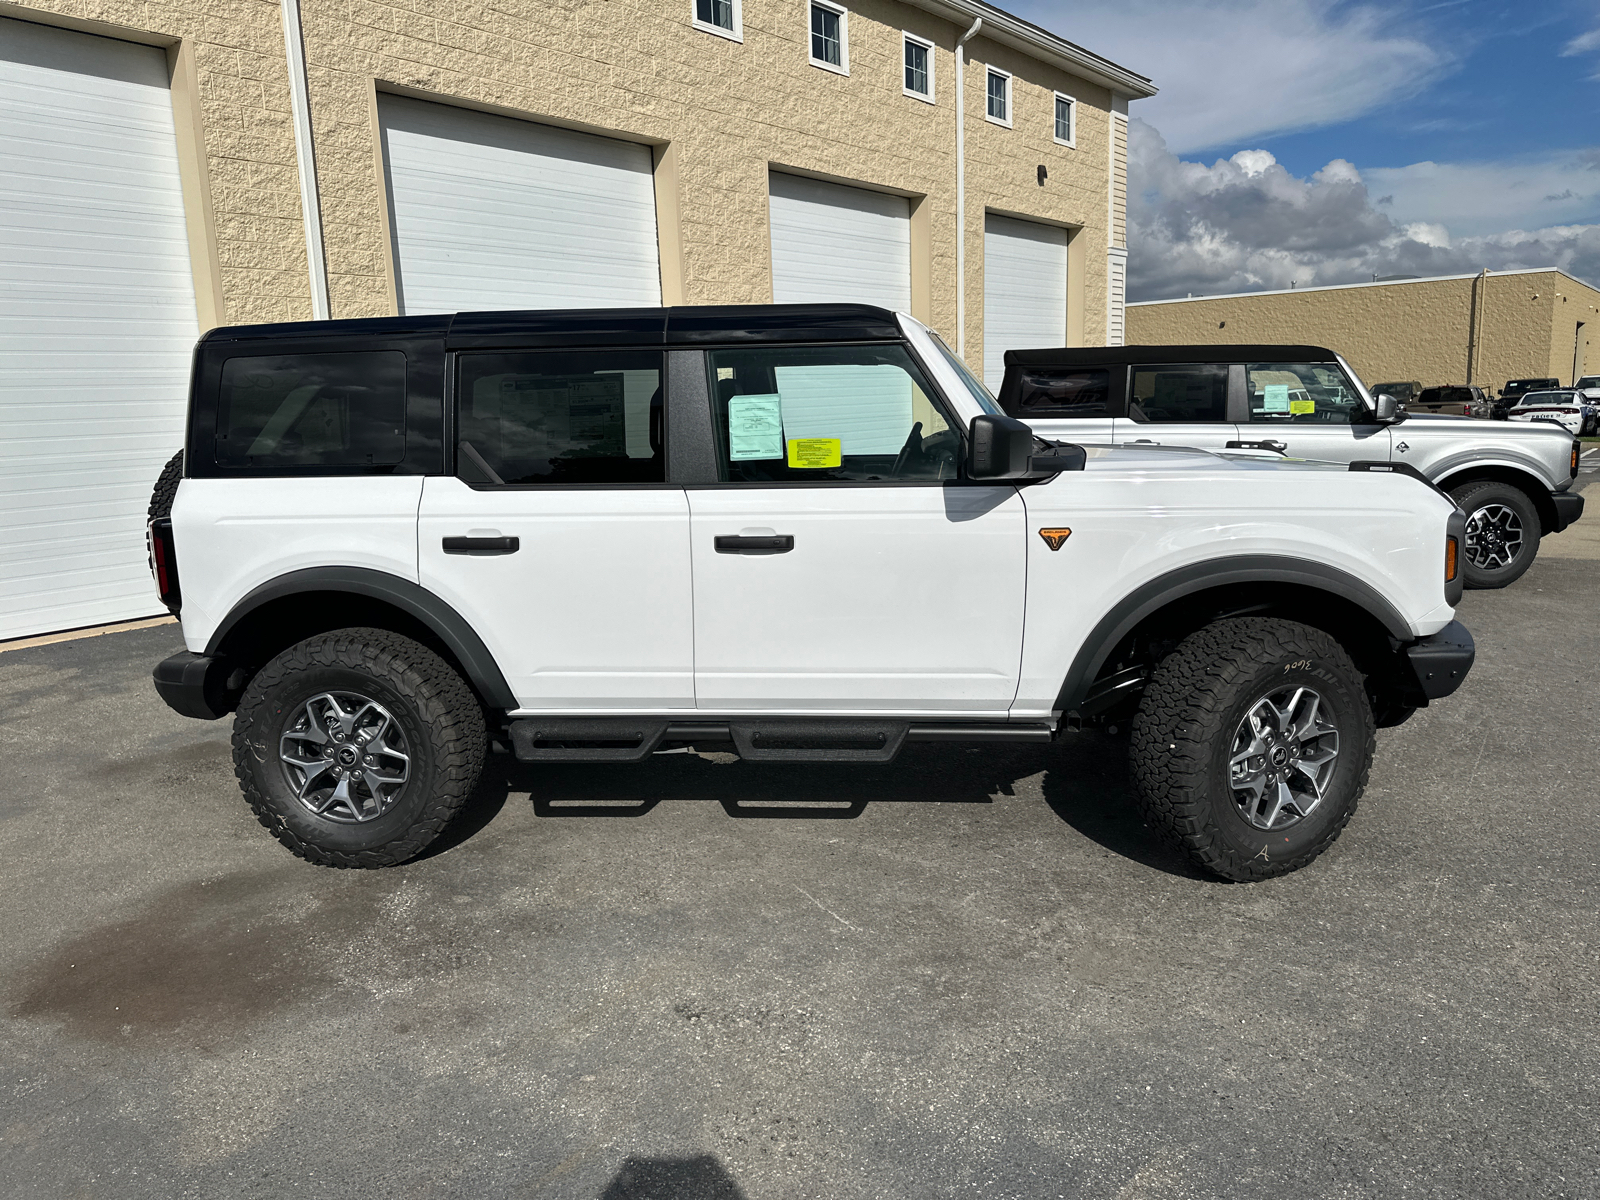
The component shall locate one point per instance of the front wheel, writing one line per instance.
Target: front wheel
(1502, 536)
(1251, 746)
(357, 747)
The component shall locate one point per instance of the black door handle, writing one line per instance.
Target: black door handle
(481, 545)
(779, 543)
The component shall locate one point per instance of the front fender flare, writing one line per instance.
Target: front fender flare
(1149, 597)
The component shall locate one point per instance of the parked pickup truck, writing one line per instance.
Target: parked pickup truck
(805, 533)
(1513, 481)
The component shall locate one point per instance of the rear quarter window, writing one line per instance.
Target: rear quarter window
(312, 410)
(1065, 392)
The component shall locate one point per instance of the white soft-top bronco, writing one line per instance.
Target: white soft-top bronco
(805, 533)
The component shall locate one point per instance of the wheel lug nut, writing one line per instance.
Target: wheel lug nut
(370, 761)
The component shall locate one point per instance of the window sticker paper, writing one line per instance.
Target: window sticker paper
(1277, 398)
(755, 427)
(1299, 408)
(814, 452)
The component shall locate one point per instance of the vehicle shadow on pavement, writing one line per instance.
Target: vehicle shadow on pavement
(699, 1178)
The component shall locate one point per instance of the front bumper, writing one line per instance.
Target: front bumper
(1441, 661)
(195, 685)
(1569, 507)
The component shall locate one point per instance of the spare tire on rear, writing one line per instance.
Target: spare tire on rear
(166, 488)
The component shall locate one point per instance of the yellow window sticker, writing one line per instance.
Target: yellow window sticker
(814, 452)
(1301, 407)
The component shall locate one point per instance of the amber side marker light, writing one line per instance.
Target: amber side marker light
(1576, 448)
(1451, 550)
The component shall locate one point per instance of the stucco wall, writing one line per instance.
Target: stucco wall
(1419, 330)
(719, 112)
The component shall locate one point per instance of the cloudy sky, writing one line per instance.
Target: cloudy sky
(1314, 142)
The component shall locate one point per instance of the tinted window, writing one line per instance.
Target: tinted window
(296, 410)
(1067, 393)
(535, 417)
(1301, 394)
(811, 414)
(1178, 393)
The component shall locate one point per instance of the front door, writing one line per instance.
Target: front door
(1311, 410)
(1177, 404)
(842, 566)
(558, 539)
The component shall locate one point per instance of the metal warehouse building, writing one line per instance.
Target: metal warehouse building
(179, 164)
(1483, 329)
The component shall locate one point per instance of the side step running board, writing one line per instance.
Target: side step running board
(797, 739)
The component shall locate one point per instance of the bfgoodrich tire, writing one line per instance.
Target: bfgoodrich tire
(166, 489)
(357, 748)
(1502, 533)
(1251, 746)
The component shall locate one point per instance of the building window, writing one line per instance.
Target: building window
(830, 37)
(999, 110)
(919, 67)
(721, 17)
(1066, 120)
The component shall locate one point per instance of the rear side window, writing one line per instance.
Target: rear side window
(546, 418)
(1084, 392)
(1179, 393)
(307, 410)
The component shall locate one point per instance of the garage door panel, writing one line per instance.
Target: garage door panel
(97, 322)
(1024, 290)
(491, 212)
(832, 244)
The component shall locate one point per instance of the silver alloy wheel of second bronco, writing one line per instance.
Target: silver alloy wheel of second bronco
(1283, 756)
(345, 757)
(1494, 537)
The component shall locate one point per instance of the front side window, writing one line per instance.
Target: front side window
(828, 46)
(1301, 394)
(818, 414)
(307, 410)
(919, 67)
(1082, 392)
(999, 96)
(1197, 392)
(534, 418)
(1065, 119)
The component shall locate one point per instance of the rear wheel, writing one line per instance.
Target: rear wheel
(1502, 536)
(356, 748)
(1251, 746)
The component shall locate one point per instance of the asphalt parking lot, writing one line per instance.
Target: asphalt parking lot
(971, 973)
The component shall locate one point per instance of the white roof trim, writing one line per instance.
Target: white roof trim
(1339, 287)
(1039, 43)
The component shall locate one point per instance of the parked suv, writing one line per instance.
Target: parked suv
(1460, 401)
(803, 532)
(1513, 481)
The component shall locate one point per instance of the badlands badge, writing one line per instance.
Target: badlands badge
(1055, 538)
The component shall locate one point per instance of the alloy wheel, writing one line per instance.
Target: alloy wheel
(345, 757)
(1283, 757)
(1494, 537)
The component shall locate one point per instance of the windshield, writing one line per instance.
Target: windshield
(981, 394)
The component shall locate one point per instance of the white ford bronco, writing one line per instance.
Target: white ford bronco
(1512, 481)
(803, 533)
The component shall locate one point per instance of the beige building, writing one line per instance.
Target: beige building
(173, 165)
(1484, 329)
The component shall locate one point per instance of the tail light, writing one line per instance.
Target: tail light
(164, 564)
(1577, 449)
(1452, 559)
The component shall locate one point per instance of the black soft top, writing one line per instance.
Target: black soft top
(686, 325)
(1116, 356)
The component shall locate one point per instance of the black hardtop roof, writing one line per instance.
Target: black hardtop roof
(1114, 356)
(683, 325)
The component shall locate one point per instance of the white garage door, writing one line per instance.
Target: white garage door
(1024, 290)
(832, 244)
(490, 212)
(97, 323)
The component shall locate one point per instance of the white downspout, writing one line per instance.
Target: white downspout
(961, 186)
(300, 109)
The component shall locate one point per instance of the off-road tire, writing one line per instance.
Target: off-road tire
(1182, 735)
(1473, 496)
(437, 712)
(166, 489)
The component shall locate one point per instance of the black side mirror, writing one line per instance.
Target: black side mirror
(1002, 448)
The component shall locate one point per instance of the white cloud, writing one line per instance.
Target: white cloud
(1481, 198)
(1584, 43)
(1232, 70)
(1246, 223)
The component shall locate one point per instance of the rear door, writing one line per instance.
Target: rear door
(1313, 411)
(558, 537)
(1177, 404)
